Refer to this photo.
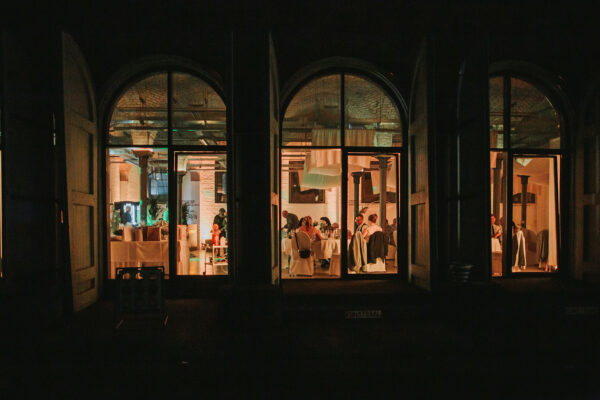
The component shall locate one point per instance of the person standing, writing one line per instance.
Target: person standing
(357, 251)
(126, 216)
(389, 231)
(292, 222)
(221, 220)
(496, 229)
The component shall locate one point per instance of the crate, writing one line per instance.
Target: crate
(140, 290)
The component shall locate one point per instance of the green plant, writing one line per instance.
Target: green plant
(187, 212)
(154, 209)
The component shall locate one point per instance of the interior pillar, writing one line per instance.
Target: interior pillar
(143, 156)
(497, 175)
(524, 179)
(356, 179)
(383, 161)
(180, 176)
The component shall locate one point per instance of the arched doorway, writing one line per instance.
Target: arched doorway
(166, 175)
(342, 179)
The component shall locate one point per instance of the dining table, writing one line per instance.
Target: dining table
(147, 254)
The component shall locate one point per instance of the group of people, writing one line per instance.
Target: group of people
(316, 231)
(522, 239)
(321, 230)
(369, 244)
(369, 227)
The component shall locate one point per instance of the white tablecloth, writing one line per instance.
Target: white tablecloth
(148, 254)
(323, 249)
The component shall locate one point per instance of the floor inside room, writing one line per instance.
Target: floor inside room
(201, 263)
(321, 270)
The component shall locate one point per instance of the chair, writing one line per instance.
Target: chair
(128, 233)
(153, 233)
(335, 265)
(301, 266)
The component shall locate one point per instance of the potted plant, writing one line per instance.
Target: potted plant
(154, 210)
(187, 212)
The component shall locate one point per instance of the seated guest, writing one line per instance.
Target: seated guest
(325, 226)
(496, 229)
(372, 226)
(308, 228)
(496, 234)
(336, 230)
(389, 231)
(291, 221)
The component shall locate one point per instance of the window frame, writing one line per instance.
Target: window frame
(551, 90)
(126, 83)
(400, 152)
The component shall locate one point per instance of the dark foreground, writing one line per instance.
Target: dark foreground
(430, 349)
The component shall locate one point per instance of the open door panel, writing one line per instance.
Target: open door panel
(420, 170)
(81, 158)
(274, 158)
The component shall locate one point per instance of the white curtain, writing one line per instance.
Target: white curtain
(325, 137)
(317, 181)
(552, 243)
(360, 137)
(323, 162)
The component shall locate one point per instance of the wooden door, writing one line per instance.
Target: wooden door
(274, 154)
(81, 157)
(421, 169)
(587, 194)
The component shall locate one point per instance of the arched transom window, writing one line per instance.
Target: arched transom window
(314, 115)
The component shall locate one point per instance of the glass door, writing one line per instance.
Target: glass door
(372, 213)
(201, 213)
(534, 208)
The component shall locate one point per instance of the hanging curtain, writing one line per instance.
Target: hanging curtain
(360, 137)
(552, 253)
(325, 137)
(324, 162)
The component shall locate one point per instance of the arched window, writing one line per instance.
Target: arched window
(313, 117)
(525, 162)
(341, 151)
(166, 161)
